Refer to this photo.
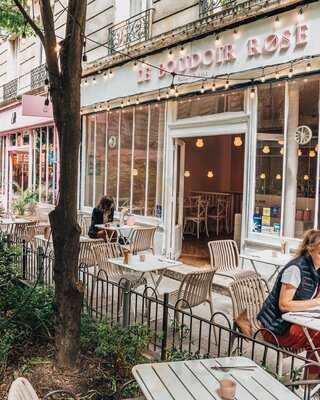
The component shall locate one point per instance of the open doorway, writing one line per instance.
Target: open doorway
(209, 193)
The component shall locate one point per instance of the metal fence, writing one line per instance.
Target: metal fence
(176, 333)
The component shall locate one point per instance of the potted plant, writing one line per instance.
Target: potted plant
(24, 200)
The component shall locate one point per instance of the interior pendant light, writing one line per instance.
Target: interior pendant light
(263, 175)
(187, 174)
(200, 143)
(312, 153)
(278, 177)
(306, 177)
(266, 150)
(237, 141)
(282, 151)
(210, 174)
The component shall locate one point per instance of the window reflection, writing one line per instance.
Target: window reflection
(125, 158)
(89, 161)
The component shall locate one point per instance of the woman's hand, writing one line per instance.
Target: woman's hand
(287, 304)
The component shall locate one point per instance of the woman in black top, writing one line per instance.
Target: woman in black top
(102, 214)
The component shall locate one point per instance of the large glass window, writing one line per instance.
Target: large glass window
(140, 159)
(125, 158)
(208, 104)
(302, 146)
(269, 159)
(112, 156)
(100, 155)
(89, 161)
(134, 173)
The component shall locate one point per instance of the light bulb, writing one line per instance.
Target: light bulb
(202, 90)
(159, 97)
(227, 84)
(135, 65)
(199, 143)
(213, 87)
(299, 153)
(172, 89)
(263, 78)
(281, 142)
(306, 177)
(263, 175)
(110, 74)
(176, 92)
(187, 174)
(277, 75)
(312, 153)
(94, 81)
(308, 67)
(237, 141)
(282, 151)
(105, 75)
(85, 82)
(290, 73)
(252, 93)
(278, 177)
(135, 172)
(277, 20)
(137, 100)
(266, 150)
(210, 174)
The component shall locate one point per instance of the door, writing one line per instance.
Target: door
(18, 174)
(177, 197)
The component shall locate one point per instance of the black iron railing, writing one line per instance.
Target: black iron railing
(134, 30)
(176, 333)
(38, 75)
(10, 90)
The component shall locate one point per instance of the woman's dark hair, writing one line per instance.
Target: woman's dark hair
(105, 203)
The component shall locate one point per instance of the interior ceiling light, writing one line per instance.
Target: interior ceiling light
(282, 151)
(200, 143)
(187, 174)
(278, 177)
(263, 175)
(312, 153)
(306, 177)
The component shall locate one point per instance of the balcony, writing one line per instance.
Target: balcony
(38, 75)
(10, 90)
(134, 30)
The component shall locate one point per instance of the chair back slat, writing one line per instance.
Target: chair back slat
(196, 287)
(142, 239)
(224, 255)
(104, 251)
(248, 292)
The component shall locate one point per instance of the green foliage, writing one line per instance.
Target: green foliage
(26, 313)
(11, 20)
(122, 347)
(23, 200)
(181, 355)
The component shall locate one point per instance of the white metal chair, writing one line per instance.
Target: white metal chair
(84, 220)
(142, 239)
(195, 289)
(196, 217)
(224, 257)
(21, 389)
(105, 251)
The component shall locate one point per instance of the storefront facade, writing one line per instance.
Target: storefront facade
(28, 157)
(259, 82)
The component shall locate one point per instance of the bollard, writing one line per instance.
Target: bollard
(126, 304)
(164, 327)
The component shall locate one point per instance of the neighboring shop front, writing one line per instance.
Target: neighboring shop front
(28, 157)
(261, 106)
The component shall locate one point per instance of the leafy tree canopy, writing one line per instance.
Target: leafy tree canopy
(11, 20)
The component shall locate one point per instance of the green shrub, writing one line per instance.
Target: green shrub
(122, 347)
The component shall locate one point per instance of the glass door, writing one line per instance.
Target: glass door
(18, 174)
(178, 193)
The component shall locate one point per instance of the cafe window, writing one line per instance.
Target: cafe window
(134, 159)
(302, 156)
(100, 155)
(269, 159)
(45, 167)
(89, 160)
(2, 166)
(208, 104)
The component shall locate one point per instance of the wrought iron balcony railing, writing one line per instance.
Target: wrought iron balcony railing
(134, 30)
(209, 7)
(38, 76)
(10, 90)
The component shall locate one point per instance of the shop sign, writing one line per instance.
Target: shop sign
(227, 53)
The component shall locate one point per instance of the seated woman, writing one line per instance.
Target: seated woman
(102, 214)
(296, 289)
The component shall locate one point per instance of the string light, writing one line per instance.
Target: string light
(202, 88)
(227, 84)
(213, 87)
(110, 74)
(277, 20)
(105, 76)
(167, 94)
(135, 64)
(252, 92)
(172, 87)
(263, 78)
(85, 82)
(176, 92)
(290, 73)
(122, 104)
(217, 39)
(94, 81)
(300, 14)
(159, 96)
(137, 100)
(308, 67)
(277, 75)
(235, 33)
(108, 106)
(181, 49)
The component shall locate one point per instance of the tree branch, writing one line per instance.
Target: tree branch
(27, 17)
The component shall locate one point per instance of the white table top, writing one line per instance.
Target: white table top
(115, 227)
(195, 380)
(308, 319)
(10, 221)
(151, 263)
(268, 257)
